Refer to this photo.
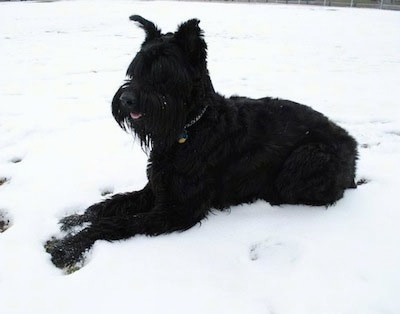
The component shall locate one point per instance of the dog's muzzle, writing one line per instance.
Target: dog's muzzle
(128, 103)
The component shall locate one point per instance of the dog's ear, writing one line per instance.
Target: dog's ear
(152, 31)
(190, 38)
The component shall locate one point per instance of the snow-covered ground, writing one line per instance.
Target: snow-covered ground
(60, 150)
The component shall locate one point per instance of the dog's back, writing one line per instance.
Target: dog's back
(276, 150)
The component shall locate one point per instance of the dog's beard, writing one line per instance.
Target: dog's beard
(157, 121)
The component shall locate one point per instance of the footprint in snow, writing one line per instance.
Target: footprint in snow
(275, 253)
(369, 145)
(395, 133)
(4, 180)
(16, 160)
(4, 221)
(106, 191)
(363, 181)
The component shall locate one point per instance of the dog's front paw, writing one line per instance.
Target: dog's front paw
(67, 253)
(72, 221)
(76, 220)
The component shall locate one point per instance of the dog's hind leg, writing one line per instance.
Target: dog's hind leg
(315, 174)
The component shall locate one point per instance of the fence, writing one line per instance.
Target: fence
(377, 4)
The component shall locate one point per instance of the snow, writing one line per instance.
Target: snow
(60, 149)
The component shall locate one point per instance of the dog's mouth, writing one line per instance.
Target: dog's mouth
(135, 115)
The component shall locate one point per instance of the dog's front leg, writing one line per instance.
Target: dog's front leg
(68, 251)
(156, 222)
(118, 205)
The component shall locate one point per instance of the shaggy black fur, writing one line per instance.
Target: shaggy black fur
(207, 151)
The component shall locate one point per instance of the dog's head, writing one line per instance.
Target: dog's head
(167, 84)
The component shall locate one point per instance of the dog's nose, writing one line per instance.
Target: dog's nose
(127, 99)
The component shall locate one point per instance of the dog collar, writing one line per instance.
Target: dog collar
(184, 135)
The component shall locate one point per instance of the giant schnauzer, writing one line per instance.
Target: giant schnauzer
(207, 151)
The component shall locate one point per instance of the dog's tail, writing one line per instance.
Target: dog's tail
(152, 31)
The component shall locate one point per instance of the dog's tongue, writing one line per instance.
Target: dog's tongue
(135, 115)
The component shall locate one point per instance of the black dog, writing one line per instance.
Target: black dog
(207, 151)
